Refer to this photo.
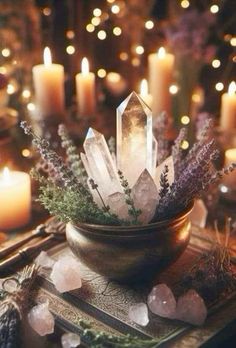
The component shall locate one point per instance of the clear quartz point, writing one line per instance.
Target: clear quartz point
(99, 164)
(134, 138)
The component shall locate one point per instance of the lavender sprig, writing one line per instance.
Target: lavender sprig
(164, 183)
(54, 160)
(133, 212)
(73, 157)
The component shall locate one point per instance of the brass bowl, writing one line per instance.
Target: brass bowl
(132, 253)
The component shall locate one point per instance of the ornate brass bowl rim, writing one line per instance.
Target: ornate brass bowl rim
(134, 230)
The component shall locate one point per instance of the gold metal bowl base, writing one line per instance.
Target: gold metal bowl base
(134, 253)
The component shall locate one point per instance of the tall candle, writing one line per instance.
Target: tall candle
(228, 108)
(15, 199)
(146, 97)
(160, 68)
(48, 81)
(85, 90)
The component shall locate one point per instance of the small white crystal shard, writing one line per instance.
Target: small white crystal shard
(118, 206)
(43, 260)
(138, 313)
(199, 213)
(161, 301)
(145, 195)
(66, 274)
(191, 308)
(171, 173)
(70, 340)
(41, 320)
(99, 164)
(134, 138)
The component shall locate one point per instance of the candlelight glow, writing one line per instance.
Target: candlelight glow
(161, 53)
(47, 57)
(85, 66)
(232, 88)
(6, 176)
(144, 87)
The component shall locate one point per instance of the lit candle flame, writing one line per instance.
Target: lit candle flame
(85, 66)
(161, 53)
(6, 175)
(144, 87)
(47, 57)
(232, 88)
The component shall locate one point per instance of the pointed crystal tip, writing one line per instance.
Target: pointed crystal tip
(91, 133)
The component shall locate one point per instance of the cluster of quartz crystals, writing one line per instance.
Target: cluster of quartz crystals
(136, 158)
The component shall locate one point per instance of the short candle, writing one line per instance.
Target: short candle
(85, 90)
(48, 81)
(15, 199)
(228, 108)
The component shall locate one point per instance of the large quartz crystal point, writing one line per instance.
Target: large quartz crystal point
(134, 138)
(145, 196)
(100, 165)
(118, 206)
(171, 173)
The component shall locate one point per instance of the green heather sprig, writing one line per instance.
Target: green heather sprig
(133, 212)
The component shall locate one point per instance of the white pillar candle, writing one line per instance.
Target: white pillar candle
(48, 81)
(146, 97)
(228, 108)
(160, 68)
(15, 199)
(85, 90)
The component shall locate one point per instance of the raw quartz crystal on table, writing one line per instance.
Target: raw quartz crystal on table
(41, 320)
(70, 340)
(138, 313)
(66, 274)
(189, 307)
(136, 159)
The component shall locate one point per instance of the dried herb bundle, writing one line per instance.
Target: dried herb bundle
(13, 305)
(213, 273)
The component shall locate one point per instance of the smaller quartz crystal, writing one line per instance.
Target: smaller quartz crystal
(191, 308)
(118, 206)
(70, 340)
(44, 260)
(161, 301)
(66, 274)
(199, 213)
(138, 313)
(145, 195)
(41, 320)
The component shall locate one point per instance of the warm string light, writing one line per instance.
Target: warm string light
(185, 4)
(233, 41)
(185, 120)
(173, 89)
(70, 49)
(216, 63)
(214, 8)
(6, 52)
(101, 35)
(219, 86)
(149, 24)
(90, 28)
(101, 73)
